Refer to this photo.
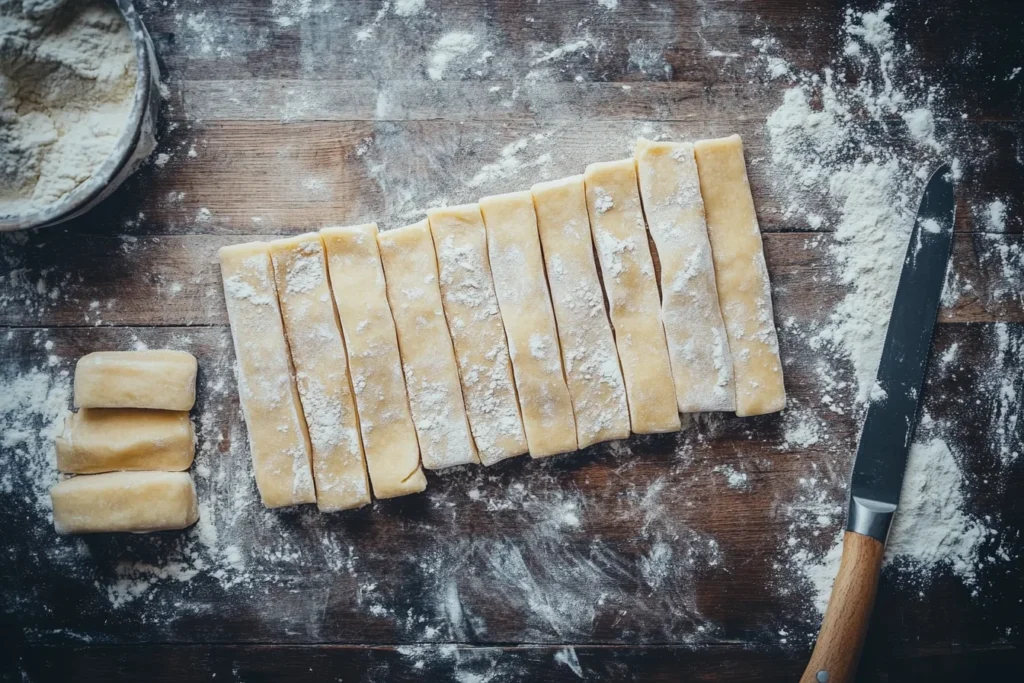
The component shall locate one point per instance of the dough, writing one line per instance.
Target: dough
(617, 223)
(743, 288)
(321, 372)
(161, 380)
(428, 358)
(471, 308)
(588, 347)
(124, 501)
(698, 347)
(278, 437)
(108, 439)
(389, 437)
(513, 248)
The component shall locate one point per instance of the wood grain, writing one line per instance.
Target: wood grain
(837, 650)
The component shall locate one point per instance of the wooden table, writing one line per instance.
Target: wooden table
(633, 562)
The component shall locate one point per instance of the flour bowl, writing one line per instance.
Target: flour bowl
(133, 144)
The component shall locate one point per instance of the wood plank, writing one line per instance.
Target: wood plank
(554, 551)
(174, 279)
(270, 176)
(669, 663)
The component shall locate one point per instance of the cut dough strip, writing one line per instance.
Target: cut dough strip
(321, 372)
(109, 439)
(513, 248)
(428, 358)
(158, 379)
(270, 403)
(697, 342)
(124, 501)
(389, 437)
(617, 222)
(471, 308)
(588, 346)
(742, 276)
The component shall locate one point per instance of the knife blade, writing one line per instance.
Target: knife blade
(886, 435)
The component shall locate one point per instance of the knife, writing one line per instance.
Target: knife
(886, 437)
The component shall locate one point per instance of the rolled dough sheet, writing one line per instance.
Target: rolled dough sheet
(278, 438)
(698, 347)
(110, 439)
(389, 437)
(321, 372)
(471, 307)
(158, 379)
(617, 223)
(513, 248)
(743, 287)
(124, 501)
(588, 346)
(428, 358)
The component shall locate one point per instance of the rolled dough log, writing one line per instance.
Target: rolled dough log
(617, 222)
(278, 438)
(321, 372)
(389, 437)
(743, 287)
(124, 501)
(513, 248)
(698, 347)
(471, 308)
(428, 358)
(109, 439)
(588, 346)
(159, 379)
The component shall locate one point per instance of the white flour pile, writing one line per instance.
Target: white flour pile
(850, 149)
(67, 75)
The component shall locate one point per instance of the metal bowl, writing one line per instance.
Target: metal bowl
(137, 141)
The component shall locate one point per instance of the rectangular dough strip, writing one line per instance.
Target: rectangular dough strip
(744, 290)
(158, 379)
(471, 308)
(588, 345)
(697, 342)
(321, 372)
(124, 501)
(389, 437)
(617, 223)
(110, 439)
(513, 249)
(428, 357)
(278, 438)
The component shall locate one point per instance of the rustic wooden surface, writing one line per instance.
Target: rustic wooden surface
(267, 106)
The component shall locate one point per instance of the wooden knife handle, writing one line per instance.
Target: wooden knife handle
(835, 655)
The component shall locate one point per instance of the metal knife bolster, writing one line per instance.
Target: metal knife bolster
(870, 517)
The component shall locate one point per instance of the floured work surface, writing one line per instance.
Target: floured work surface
(679, 539)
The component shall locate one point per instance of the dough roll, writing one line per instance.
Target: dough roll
(617, 223)
(158, 379)
(124, 501)
(389, 436)
(697, 342)
(278, 439)
(742, 276)
(111, 439)
(321, 372)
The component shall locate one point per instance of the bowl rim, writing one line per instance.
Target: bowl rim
(82, 197)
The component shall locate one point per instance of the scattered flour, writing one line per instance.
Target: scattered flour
(447, 49)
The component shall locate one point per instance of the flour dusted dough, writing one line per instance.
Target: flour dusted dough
(743, 287)
(697, 342)
(513, 248)
(278, 438)
(588, 346)
(321, 372)
(158, 379)
(124, 501)
(620, 235)
(108, 439)
(428, 358)
(389, 437)
(471, 308)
